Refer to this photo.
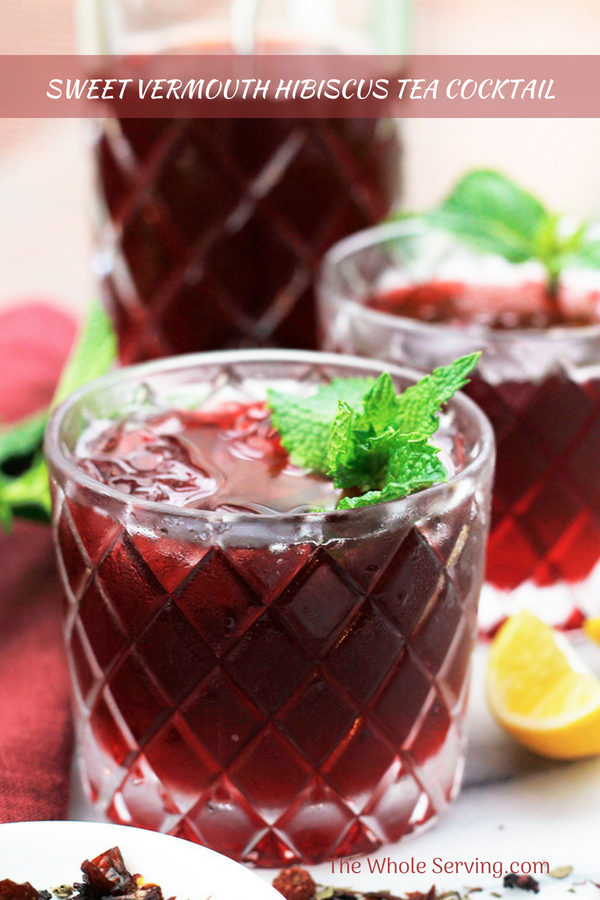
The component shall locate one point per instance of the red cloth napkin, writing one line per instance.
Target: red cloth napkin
(36, 735)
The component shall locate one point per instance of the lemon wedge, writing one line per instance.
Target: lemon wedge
(541, 692)
(592, 629)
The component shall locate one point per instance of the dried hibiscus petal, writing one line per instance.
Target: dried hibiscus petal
(108, 875)
(11, 890)
(106, 878)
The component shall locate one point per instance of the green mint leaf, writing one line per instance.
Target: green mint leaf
(304, 423)
(414, 463)
(380, 403)
(340, 445)
(23, 438)
(6, 516)
(587, 254)
(94, 353)
(360, 463)
(28, 495)
(420, 403)
(357, 451)
(304, 430)
(367, 438)
(493, 215)
(370, 498)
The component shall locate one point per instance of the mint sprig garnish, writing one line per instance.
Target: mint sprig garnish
(492, 214)
(306, 422)
(23, 438)
(24, 490)
(371, 441)
(420, 404)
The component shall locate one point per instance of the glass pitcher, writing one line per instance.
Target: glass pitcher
(209, 232)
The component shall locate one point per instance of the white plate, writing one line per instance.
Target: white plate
(50, 853)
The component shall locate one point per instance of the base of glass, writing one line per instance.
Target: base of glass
(318, 825)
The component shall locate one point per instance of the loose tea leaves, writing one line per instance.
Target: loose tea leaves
(524, 882)
(294, 883)
(560, 871)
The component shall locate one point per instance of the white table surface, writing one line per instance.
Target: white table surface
(514, 807)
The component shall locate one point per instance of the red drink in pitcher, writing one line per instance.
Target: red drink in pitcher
(213, 229)
(276, 683)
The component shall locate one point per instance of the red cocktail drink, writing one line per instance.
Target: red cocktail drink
(212, 229)
(276, 683)
(538, 381)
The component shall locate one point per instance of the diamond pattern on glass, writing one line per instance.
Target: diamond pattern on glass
(359, 839)
(140, 701)
(429, 738)
(272, 849)
(242, 270)
(72, 555)
(359, 762)
(106, 636)
(267, 664)
(222, 717)
(363, 560)
(453, 674)
(315, 605)
(410, 583)
(176, 655)
(270, 773)
(268, 570)
(546, 484)
(217, 602)
(402, 697)
(317, 701)
(111, 731)
(316, 810)
(181, 762)
(137, 597)
(227, 775)
(224, 818)
(94, 528)
(87, 672)
(171, 559)
(142, 790)
(370, 639)
(390, 811)
(434, 633)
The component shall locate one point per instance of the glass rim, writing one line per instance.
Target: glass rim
(65, 464)
(413, 226)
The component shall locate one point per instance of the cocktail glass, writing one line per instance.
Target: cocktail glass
(539, 386)
(285, 687)
(209, 232)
